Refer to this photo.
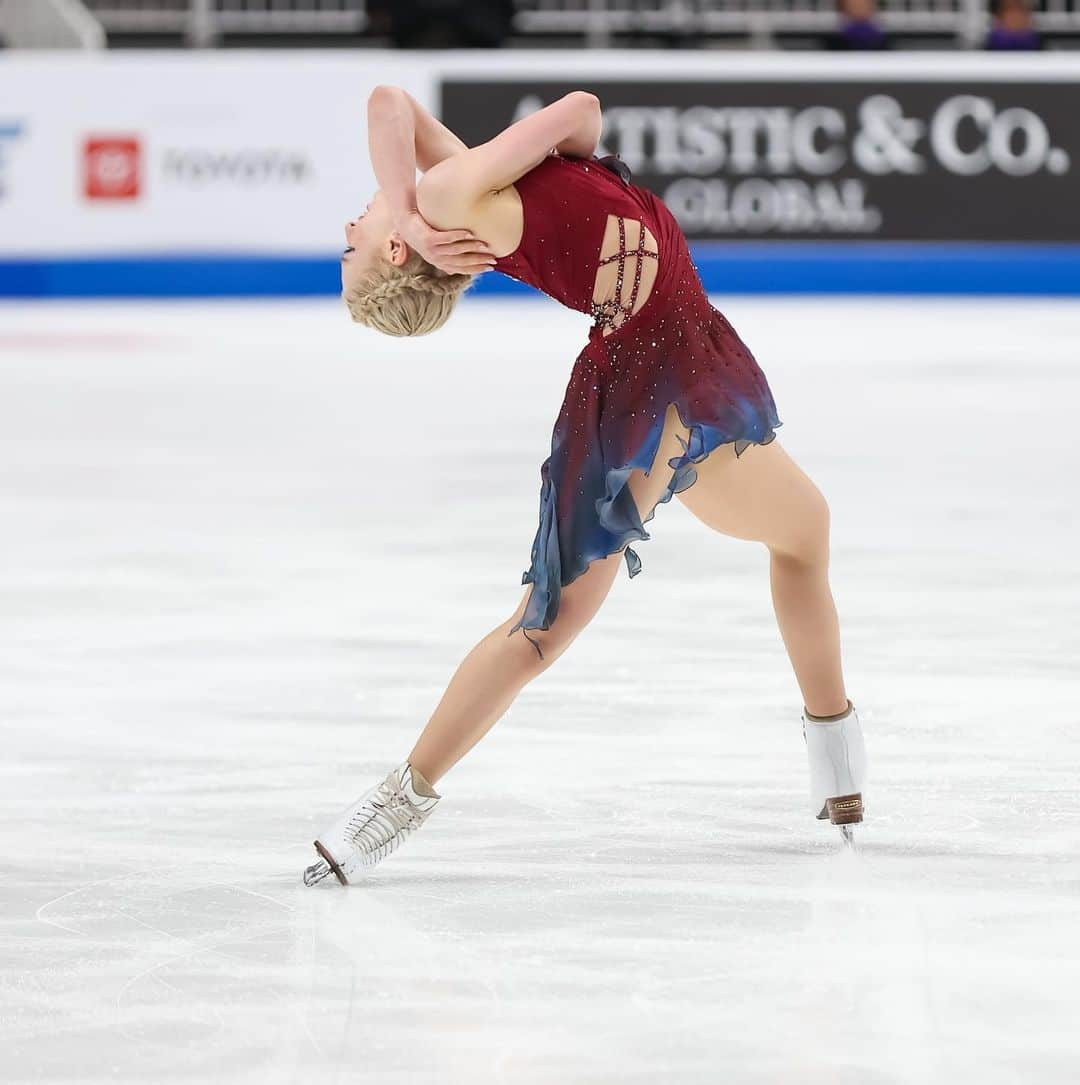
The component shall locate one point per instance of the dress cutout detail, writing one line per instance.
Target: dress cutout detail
(607, 313)
(675, 349)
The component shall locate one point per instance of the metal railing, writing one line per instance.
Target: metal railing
(596, 22)
(203, 22)
(1062, 15)
(49, 24)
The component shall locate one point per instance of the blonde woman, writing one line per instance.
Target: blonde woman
(663, 400)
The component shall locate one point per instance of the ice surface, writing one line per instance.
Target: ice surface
(246, 545)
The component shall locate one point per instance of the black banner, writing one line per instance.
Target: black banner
(849, 160)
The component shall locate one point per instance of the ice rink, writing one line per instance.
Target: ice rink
(246, 545)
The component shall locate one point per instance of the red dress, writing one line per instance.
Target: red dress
(675, 349)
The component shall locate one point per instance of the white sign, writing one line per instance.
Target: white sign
(167, 153)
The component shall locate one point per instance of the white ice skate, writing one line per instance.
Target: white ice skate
(837, 758)
(374, 826)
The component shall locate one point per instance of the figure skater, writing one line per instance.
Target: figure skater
(663, 399)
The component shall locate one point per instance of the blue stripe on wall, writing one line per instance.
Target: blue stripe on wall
(195, 276)
(736, 268)
(890, 268)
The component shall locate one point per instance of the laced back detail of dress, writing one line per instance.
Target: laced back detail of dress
(613, 312)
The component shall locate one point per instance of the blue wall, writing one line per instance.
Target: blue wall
(769, 268)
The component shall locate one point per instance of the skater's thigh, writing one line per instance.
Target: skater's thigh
(582, 597)
(579, 602)
(648, 488)
(763, 496)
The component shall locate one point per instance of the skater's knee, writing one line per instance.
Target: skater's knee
(544, 646)
(579, 603)
(806, 539)
(548, 644)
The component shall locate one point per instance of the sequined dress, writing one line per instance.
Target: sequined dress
(676, 348)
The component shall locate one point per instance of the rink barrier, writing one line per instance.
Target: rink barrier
(772, 268)
(790, 173)
(189, 276)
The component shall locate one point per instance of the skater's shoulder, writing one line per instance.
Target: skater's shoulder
(495, 215)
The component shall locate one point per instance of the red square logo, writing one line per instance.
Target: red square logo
(111, 168)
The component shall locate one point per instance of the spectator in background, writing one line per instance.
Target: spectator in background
(859, 27)
(444, 24)
(1012, 27)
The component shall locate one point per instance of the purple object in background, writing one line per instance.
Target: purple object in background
(863, 34)
(1006, 38)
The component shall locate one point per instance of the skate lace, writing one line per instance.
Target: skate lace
(382, 823)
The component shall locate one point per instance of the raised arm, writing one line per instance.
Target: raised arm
(434, 141)
(404, 137)
(571, 126)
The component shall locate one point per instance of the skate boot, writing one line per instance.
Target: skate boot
(374, 826)
(837, 758)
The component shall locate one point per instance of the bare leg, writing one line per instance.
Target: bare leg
(764, 496)
(490, 677)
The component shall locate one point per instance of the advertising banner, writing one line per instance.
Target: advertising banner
(852, 160)
(146, 173)
(178, 154)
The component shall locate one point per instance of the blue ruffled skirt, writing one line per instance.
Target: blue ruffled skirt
(611, 424)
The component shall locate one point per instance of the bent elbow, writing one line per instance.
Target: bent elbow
(382, 91)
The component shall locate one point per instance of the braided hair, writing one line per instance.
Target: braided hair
(414, 299)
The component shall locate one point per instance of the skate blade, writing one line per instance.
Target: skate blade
(848, 835)
(317, 872)
(323, 868)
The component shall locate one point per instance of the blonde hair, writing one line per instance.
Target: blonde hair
(413, 299)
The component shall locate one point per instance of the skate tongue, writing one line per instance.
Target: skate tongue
(420, 784)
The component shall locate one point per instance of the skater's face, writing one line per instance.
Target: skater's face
(368, 238)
